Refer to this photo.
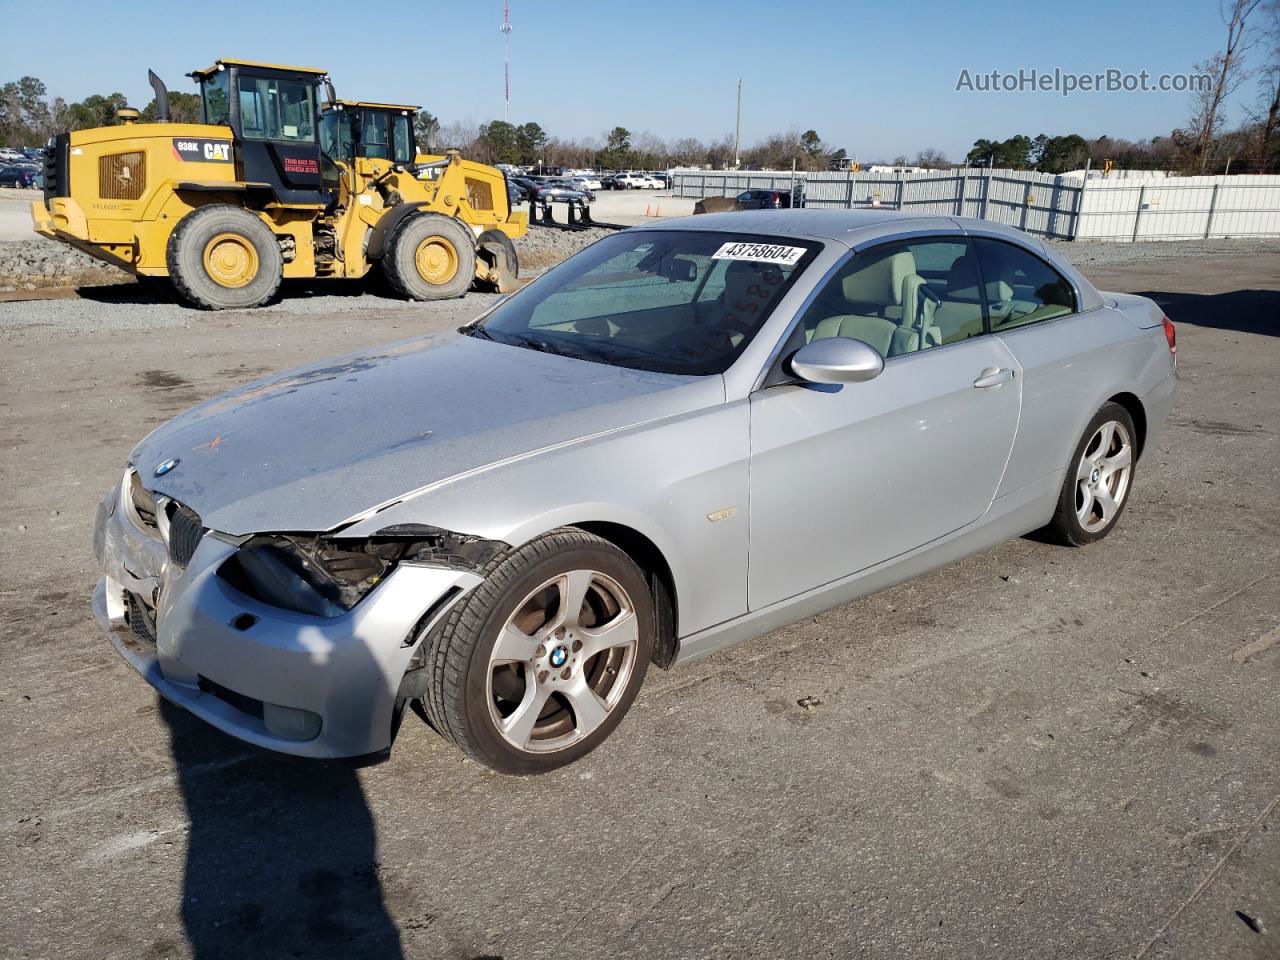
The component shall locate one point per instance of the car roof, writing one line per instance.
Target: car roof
(848, 227)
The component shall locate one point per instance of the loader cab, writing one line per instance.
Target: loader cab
(273, 115)
(371, 131)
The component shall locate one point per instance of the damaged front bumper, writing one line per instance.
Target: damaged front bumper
(304, 685)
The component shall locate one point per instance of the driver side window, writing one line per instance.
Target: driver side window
(898, 298)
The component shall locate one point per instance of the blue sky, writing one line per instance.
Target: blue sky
(878, 79)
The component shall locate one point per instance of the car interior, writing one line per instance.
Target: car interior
(902, 298)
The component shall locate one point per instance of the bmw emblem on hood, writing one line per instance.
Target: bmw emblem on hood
(166, 466)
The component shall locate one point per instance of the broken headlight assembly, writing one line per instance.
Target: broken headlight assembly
(325, 576)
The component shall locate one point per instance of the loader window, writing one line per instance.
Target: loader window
(404, 147)
(335, 143)
(216, 102)
(373, 135)
(272, 109)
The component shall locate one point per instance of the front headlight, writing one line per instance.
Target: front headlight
(326, 576)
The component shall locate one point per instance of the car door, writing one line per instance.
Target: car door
(847, 476)
(1032, 309)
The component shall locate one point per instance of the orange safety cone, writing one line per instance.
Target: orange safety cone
(646, 210)
(657, 211)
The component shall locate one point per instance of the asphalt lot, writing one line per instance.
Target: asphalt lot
(1036, 752)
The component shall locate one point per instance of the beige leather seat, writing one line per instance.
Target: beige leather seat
(889, 338)
(885, 305)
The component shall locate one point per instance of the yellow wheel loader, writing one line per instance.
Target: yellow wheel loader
(269, 186)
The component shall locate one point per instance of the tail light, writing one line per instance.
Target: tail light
(1171, 335)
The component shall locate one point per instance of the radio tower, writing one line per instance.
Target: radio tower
(506, 60)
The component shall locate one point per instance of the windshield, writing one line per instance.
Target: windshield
(669, 302)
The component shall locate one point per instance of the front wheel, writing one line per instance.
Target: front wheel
(1098, 481)
(538, 665)
(430, 257)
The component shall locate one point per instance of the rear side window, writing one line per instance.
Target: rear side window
(1020, 287)
(217, 102)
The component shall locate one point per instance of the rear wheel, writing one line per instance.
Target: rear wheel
(538, 665)
(430, 257)
(221, 257)
(1097, 484)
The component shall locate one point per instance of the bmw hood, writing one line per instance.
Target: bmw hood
(308, 449)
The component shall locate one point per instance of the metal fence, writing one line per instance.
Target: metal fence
(1061, 207)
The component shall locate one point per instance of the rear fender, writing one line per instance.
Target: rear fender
(1142, 312)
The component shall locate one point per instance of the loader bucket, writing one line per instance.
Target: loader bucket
(497, 256)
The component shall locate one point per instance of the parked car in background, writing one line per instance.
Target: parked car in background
(527, 184)
(684, 436)
(764, 200)
(19, 176)
(637, 181)
(515, 193)
(663, 178)
(561, 190)
(587, 182)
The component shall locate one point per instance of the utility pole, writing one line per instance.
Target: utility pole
(506, 60)
(737, 130)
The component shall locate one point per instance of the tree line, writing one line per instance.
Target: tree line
(1203, 144)
(29, 117)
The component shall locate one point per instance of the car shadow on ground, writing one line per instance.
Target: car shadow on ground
(158, 291)
(281, 853)
(1246, 311)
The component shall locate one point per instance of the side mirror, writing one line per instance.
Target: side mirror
(836, 360)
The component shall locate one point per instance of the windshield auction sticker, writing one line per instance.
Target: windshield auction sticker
(759, 253)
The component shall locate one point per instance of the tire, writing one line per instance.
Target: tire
(1099, 479)
(430, 257)
(495, 243)
(531, 713)
(222, 257)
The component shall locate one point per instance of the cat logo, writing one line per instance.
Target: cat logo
(125, 176)
(202, 151)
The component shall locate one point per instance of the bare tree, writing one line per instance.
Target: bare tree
(1226, 72)
(931, 159)
(1267, 116)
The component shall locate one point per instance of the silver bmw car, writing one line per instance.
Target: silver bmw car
(684, 436)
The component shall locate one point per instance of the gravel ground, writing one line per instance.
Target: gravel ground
(37, 262)
(1034, 753)
(1091, 254)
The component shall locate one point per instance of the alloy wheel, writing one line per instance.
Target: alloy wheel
(1102, 476)
(562, 661)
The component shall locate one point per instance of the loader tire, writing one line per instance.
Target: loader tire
(496, 248)
(222, 257)
(430, 257)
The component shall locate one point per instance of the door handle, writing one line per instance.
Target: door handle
(993, 377)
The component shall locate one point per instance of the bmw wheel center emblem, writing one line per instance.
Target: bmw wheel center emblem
(166, 466)
(558, 657)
